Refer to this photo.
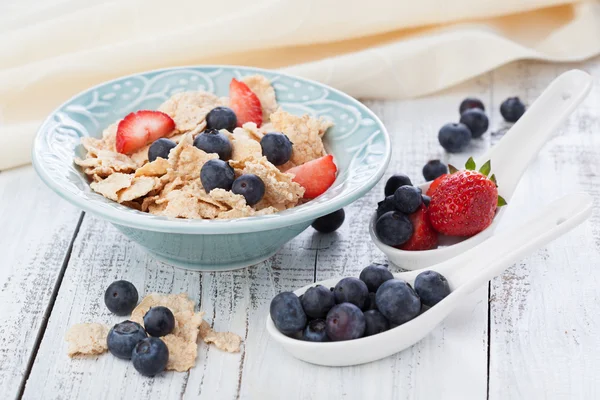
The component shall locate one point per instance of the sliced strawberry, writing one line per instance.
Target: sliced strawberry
(424, 236)
(435, 184)
(141, 128)
(244, 103)
(315, 176)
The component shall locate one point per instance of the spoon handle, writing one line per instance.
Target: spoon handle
(511, 156)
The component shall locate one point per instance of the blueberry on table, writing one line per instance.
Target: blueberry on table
(121, 297)
(431, 287)
(397, 301)
(375, 323)
(213, 141)
(454, 137)
(395, 182)
(123, 337)
(512, 109)
(315, 331)
(221, 118)
(351, 290)
(330, 222)
(386, 205)
(408, 199)
(476, 121)
(287, 313)
(345, 322)
(250, 186)
(374, 275)
(393, 228)
(434, 169)
(150, 356)
(317, 301)
(216, 174)
(426, 200)
(159, 321)
(277, 147)
(470, 103)
(160, 148)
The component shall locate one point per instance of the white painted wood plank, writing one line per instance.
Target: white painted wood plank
(545, 312)
(36, 228)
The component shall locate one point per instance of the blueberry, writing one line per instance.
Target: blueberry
(213, 141)
(330, 222)
(121, 297)
(374, 275)
(454, 137)
(251, 187)
(386, 205)
(287, 313)
(393, 228)
(277, 147)
(398, 301)
(351, 290)
(370, 304)
(315, 331)
(375, 323)
(407, 199)
(426, 200)
(434, 169)
(512, 109)
(476, 121)
(160, 148)
(432, 287)
(150, 356)
(123, 337)
(345, 322)
(317, 301)
(216, 174)
(221, 118)
(159, 321)
(395, 182)
(470, 103)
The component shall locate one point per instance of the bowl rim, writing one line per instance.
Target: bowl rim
(226, 226)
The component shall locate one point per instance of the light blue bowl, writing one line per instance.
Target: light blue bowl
(359, 143)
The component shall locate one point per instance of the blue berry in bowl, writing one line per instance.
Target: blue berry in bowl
(398, 301)
(315, 331)
(454, 137)
(374, 275)
(150, 356)
(476, 121)
(345, 322)
(317, 301)
(251, 187)
(287, 313)
(160, 148)
(386, 205)
(330, 222)
(277, 147)
(394, 182)
(351, 290)
(375, 323)
(221, 118)
(159, 321)
(216, 174)
(407, 199)
(470, 103)
(121, 297)
(512, 109)
(123, 337)
(434, 169)
(393, 228)
(213, 141)
(431, 287)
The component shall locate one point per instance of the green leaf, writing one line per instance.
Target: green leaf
(501, 201)
(452, 169)
(486, 168)
(493, 179)
(470, 164)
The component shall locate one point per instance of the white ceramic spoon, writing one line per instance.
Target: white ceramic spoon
(509, 159)
(465, 274)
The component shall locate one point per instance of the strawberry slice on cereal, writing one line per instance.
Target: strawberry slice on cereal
(315, 176)
(141, 128)
(245, 103)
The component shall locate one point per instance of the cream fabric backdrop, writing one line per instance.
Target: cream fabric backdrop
(368, 48)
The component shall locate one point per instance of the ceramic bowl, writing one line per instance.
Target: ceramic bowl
(358, 141)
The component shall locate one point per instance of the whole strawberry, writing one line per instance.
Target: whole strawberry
(465, 202)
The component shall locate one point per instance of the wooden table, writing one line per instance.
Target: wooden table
(532, 333)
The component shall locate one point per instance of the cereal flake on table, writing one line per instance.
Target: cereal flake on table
(86, 339)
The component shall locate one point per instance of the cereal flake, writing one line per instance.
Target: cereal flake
(111, 186)
(157, 167)
(139, 187)
(86, 339)
(189, 109)
(226, 341)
